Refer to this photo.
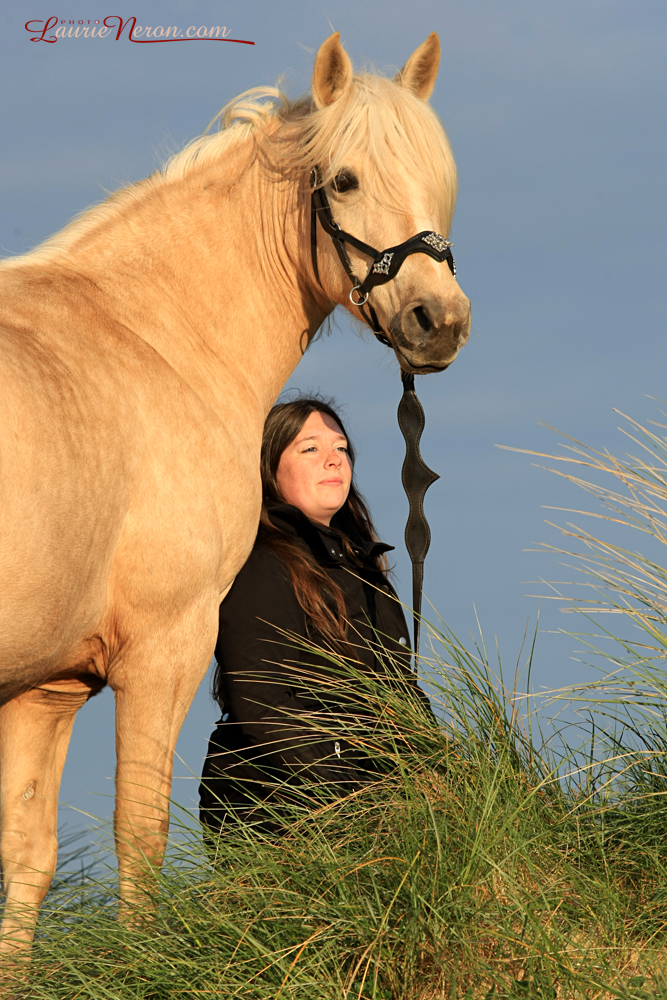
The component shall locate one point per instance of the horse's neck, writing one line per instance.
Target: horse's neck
(211, 275)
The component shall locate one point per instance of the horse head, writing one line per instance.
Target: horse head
(384, 177)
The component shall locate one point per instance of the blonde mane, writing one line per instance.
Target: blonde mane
(378, 120)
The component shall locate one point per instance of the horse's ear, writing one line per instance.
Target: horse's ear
(421, 69)
(332, 73)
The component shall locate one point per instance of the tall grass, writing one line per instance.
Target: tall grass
(484, 860)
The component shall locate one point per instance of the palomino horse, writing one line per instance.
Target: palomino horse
(141, 349)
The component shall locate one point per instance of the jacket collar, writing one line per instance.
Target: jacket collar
(326, 543)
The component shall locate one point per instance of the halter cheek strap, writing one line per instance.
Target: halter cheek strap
(320, 209)
(386, 263)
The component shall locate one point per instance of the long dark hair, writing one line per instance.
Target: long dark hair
(319, 596)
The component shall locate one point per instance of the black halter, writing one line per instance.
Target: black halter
(386, 263)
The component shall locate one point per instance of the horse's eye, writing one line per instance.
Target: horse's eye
(344, 182)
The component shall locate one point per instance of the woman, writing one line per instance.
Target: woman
(316, 571)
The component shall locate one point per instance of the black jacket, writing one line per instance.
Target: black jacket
(265, 679)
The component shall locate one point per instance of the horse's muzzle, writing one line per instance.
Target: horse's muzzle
(427, 334)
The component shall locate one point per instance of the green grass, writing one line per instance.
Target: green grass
(474, 869)
(487, 862)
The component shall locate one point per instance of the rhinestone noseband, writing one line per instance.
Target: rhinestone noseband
(386, 263)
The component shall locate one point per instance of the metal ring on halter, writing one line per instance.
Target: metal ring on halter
(363, 301)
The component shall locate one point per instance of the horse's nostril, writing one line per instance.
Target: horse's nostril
(422, 318)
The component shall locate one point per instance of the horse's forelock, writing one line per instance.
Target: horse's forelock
(382, 123)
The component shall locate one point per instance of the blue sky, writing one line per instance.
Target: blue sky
(556, 113)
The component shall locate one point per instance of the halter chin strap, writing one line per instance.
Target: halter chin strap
(386, 263)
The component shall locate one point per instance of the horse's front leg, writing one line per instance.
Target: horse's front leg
(154, 684)
(35, 730)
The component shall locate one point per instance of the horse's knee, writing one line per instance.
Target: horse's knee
(28, 859)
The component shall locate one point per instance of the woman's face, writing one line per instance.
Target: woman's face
(314, 472)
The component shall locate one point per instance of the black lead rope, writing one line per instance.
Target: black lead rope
(416, 477)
